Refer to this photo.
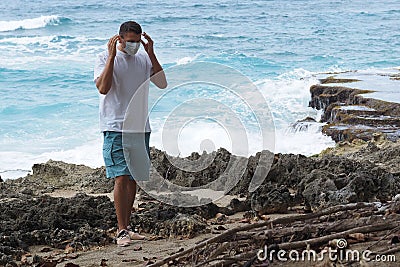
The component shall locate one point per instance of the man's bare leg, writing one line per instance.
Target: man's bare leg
(121, 200)
(132, 194)
(131, 188)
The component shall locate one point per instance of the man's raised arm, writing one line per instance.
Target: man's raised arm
(104, 82)
(158, 77)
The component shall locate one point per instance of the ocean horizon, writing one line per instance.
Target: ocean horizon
(49, 103)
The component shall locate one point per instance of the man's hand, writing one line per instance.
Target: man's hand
(158, 77)
(149, 45)
(112, 45)
(104, 82)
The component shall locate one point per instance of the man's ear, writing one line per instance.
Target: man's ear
(122, 41)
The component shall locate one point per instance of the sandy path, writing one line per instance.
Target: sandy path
(134, 255)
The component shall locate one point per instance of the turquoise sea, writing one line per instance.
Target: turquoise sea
(49, 104)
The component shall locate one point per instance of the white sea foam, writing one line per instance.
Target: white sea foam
(186, 60)
(19, 164)
(288, 97)
(29, 52)
(34, 23)
(307, 142)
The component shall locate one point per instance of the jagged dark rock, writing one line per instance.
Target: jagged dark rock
(343, 181)
(212, 167)
(266, 201)
(325, 181)
(171, 221)
(53, 221)
(387, 156)
(238, 206)
(317, 182)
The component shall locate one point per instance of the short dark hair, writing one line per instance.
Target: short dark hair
(130, 26)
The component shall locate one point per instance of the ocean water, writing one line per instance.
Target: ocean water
(49, 104)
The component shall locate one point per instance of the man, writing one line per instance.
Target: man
(118, 74)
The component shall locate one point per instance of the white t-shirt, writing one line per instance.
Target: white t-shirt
(130, 74)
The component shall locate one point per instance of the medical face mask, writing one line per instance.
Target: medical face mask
(132, 47)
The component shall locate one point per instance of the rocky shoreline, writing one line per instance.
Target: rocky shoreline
(351, 114)
(363, 167)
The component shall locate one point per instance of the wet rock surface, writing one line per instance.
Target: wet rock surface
(351, 114)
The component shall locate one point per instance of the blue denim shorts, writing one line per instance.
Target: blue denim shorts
(113, 154)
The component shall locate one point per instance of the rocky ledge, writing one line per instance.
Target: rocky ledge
(354, 113)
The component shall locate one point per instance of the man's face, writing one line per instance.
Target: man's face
(130, 37)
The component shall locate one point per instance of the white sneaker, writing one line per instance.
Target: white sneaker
(123, 238)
